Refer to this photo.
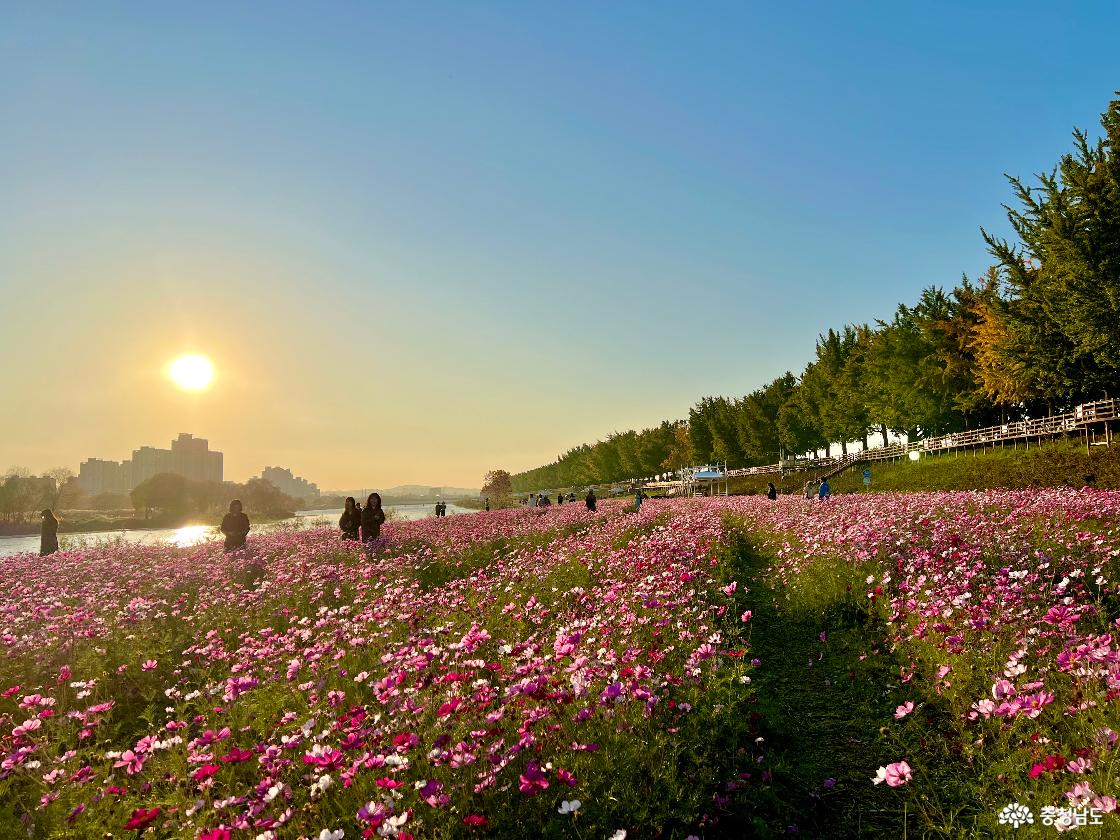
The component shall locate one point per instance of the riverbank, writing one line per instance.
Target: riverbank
(193, 533)
(96, 522)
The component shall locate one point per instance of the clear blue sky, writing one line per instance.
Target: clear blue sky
(543, 222)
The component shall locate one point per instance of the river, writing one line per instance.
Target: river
(189, 535)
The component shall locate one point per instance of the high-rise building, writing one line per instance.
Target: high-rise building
(96, 476)
(188, 456)
(191, 457)
(291, 485)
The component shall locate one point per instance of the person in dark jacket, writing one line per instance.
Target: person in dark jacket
(373, 517)
(48, 540)
(487, 503)
(559, 498)
(771, 491)
(350, 520)
(235, 525)
(590, 500)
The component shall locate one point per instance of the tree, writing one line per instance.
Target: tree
(759, 431)
(1061, 303)
(65, 489)
(680, 452)
(262, 496)
(167, 492)
(497, 485)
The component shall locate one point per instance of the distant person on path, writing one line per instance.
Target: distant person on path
(350, 520)
(825, 491)
(771, 491)
(439, 509)
(487, 503)
(590, 500)
(235, 525)
(48, 539)
(571, 497)
(545, 501)
(559, 498)
(638, 500)
(373, 517)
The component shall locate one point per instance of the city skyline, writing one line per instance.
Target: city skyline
(421, 243)
(188, 456)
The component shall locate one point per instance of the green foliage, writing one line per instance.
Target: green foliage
(1055, 464)
(177, 495)
(1062, 279)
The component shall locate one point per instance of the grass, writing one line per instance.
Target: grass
(817, 708)
(1061, 463)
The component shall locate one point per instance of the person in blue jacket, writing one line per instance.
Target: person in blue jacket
(825, 490)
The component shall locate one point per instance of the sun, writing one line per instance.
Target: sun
(191, 372)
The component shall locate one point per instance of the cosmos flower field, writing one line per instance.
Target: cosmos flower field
(566, 674)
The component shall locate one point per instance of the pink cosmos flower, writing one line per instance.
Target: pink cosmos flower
(132, 762)
(149, 665)
(902, 711)
(745, 617)
(205, 772)
(141, 818)
(533, 780)
(895, 775)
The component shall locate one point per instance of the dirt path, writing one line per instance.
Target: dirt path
(821, 710)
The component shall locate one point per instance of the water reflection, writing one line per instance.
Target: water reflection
(190, 535)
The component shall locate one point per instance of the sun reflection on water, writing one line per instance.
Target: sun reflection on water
(190, 535)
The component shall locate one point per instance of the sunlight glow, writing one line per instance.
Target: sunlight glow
(190, 535)
(191, 372)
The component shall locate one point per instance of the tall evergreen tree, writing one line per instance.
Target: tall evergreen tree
(1061, 303)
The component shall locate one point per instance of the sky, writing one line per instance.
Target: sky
(422, 241)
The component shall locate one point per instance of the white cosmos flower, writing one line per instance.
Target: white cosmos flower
(567, 807)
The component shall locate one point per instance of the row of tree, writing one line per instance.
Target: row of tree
(177, 495)
(23, 494)
(1038, 332)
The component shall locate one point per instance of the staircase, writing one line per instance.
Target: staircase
(842, 464)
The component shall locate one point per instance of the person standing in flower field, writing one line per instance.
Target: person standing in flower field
(590, 500)
(235, 525)
(825, 491)
(373, 517)
(637, 500)
(771, 491)
(48, 537)
(350, 520)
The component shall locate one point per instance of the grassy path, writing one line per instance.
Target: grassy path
(821, 708)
